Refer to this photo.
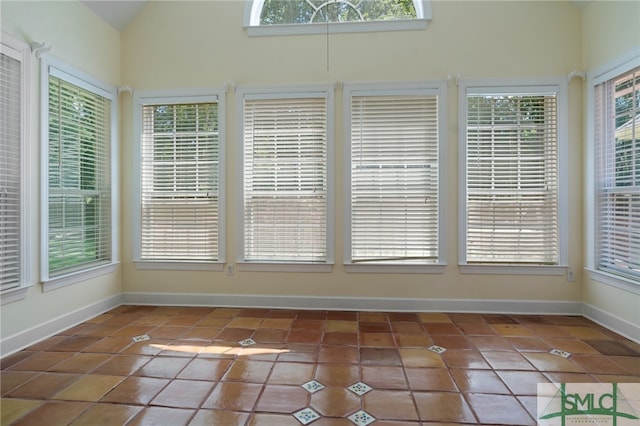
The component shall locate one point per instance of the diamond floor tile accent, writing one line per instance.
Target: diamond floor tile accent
(313, 386)
(247, 342)
(437, 349)
(306, 416)
(361, 418)
(563, 354)
(359, 388)
(147, 364)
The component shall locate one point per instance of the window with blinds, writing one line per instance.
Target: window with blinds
(11, 107)
(79, 177)
(617, 170)
(180, 182)
(394, 185)
(512, 178)
(285, 178)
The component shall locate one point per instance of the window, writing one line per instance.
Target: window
(78, 152)
(512, 185)
(180, 181)
(14, 75)
(274, 17)
(617, 174)
(285, 177)
(394, 180)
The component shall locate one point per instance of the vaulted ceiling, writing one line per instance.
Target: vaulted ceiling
(118, 13)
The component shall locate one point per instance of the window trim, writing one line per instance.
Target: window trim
(613, 68)
(21, 51)
(560, 86)
(50, 66)
(438, 88)
(253, 8)
(141, 98)
(280, 92)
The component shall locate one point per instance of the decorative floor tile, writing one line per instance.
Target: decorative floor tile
(247, 342)
(563, 354)
(306, 416)
(362, 418)
(360, 388)
(313, 386)
(437, 349)
(259, 367)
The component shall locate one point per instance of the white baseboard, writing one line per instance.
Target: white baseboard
(28, 337)
(356, 303)
(612, 322)
(23, 339)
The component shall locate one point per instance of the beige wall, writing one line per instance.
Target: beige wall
(174, 45)
(610, 29)
(82, 40)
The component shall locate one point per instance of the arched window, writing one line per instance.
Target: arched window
(276, 17)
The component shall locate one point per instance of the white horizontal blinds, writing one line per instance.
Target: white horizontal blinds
(180, 186)
(617, 136)
(512, 179)
(10, 139)
(285, 179)
(79, 178)
(394, 178)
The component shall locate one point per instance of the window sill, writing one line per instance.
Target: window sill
(513, 269)
(179, 266)
(285, 267)
(613, 280)
(76, 277)
(379, 268)
(13, 295)
(337, 27)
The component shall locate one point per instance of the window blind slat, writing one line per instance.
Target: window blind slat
(79, 178)
(285, 180)
(617, 128)
(10, 160)
(512, 179)
(394, 179)
(180, 182)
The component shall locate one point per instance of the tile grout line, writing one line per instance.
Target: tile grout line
(509, 339)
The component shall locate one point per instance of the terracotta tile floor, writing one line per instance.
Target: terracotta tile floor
(191, 368)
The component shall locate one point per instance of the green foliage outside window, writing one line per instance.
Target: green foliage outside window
(310, 11)
(79, 183)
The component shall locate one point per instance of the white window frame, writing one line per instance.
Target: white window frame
(619, 65)
(438, 89)
(319, 90)
(253, 9)
(51, 66)
(559, 86)
(191, 96)
(20, 51)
